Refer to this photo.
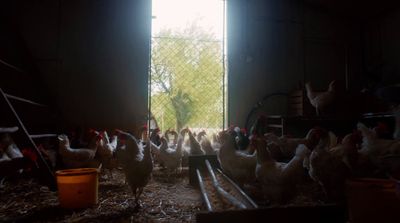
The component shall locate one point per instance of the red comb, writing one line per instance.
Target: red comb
(144, 127)
(29, 153)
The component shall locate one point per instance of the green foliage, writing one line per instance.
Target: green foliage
(186, 79)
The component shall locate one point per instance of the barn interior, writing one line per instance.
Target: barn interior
(315, 84)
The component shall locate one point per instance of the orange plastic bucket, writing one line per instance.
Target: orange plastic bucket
(78, 188)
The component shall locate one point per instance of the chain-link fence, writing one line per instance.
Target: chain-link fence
(186, 82)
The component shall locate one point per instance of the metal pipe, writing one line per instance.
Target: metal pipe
(238, 189)
(203, 190)
(221, 191)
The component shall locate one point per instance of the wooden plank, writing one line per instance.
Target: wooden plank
(309, 214)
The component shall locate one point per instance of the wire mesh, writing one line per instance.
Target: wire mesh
(186, 83)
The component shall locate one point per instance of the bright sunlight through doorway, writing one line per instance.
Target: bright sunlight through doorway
(187, 84)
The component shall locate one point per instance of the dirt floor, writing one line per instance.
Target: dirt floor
(164, 199)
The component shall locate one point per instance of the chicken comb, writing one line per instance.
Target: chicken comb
(144, 127)
(29, 153)
(94, 133)
(244, 131)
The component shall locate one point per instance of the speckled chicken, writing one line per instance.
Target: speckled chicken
(136, 161)
(279, 179)
(79, 157)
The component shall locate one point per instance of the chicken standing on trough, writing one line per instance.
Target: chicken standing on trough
(326, 169)
(136, 161)
(206, 146)
(322, 101)
(82, 157)
(236, 164)
(195, 148)
(279, 179)
(200, 135)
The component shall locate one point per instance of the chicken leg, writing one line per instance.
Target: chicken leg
(137, 192)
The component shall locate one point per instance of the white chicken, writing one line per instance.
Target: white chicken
(383, 153)
(136, 161)
(205, 143)
(374, 146)
(7, 143)
(105, 151)
(78, 158)
(200, 135)
(195, 147)
(172, 137)
(288, 146)
(279, 179)
(170, 156)
(345, 144)
(238, 165)
(321, 100)
(206, 146)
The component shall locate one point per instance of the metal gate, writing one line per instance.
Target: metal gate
(187, 80)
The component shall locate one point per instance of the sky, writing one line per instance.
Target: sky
(177, 14)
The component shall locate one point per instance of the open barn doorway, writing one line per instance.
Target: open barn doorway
(187, 83)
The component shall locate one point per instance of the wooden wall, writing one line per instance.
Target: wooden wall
(275, 45)
(93, 55)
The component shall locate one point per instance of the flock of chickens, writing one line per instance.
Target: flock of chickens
(278, 164)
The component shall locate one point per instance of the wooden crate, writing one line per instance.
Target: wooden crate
(298, 104)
